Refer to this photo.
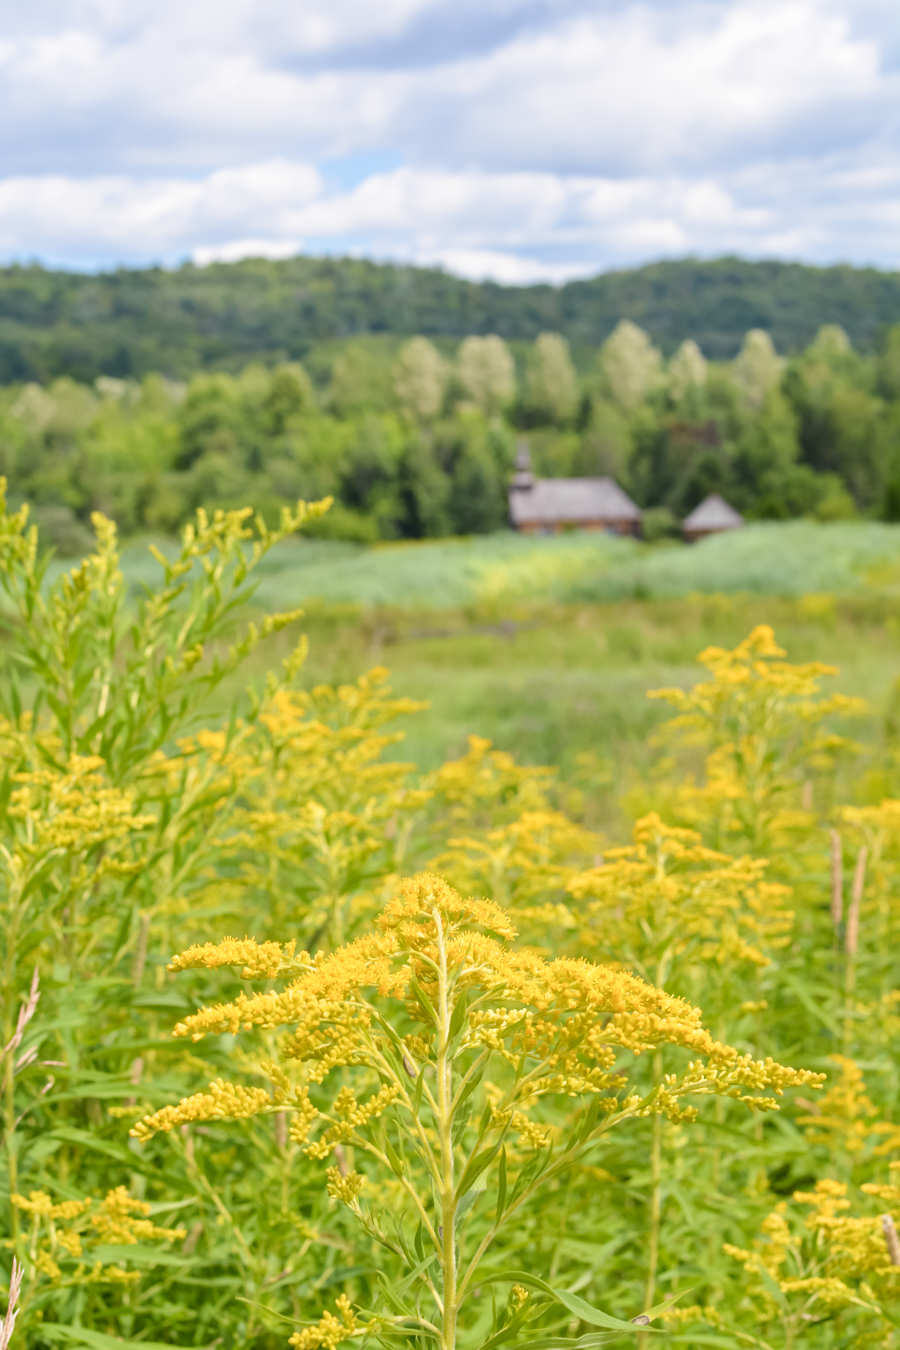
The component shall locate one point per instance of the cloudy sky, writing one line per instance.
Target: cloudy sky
(516, 139)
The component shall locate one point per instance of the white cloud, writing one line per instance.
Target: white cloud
(235, 249)
(508, 268)
(149, 218)
(623, 86)
(617, 88)
(570, 134)
(511, 227)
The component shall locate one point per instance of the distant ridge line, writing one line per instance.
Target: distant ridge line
(130, 321)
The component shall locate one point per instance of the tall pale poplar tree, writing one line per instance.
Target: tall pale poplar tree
(487, 372)
(630, 364)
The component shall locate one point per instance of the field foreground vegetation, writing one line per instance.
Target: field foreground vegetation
(393, 1115)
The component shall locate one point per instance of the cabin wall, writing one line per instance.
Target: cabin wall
(693, 535)
(630, 527)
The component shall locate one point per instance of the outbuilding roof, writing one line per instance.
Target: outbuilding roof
(570, 500)
(713, 513)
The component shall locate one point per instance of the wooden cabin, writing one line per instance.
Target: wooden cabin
(712, 516)
(549, 505)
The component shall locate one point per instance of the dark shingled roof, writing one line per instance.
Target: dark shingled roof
(713, 513)
(570, 500)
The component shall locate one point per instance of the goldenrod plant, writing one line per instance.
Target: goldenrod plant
(174, 770)
(437, 1055)
(764, 726)
(107, 801)
(815, 1274)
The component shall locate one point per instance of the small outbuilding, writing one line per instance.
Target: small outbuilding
(549, 505)
(712, 516)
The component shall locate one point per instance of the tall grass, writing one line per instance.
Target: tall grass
(492, 571)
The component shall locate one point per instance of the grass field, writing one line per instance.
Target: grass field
(491, 573)
(549, 646)
(496, 571)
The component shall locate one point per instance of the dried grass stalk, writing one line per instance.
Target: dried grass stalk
(8, 1325)
(26, 1012)
(890, 1236)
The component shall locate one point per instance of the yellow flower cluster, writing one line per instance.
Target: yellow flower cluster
(844, 1113)
(330, 1330)
(667, 891)
(67, 1231)
(344, 1186)
(259, 960)
(40, 1204)
(74, 809)
(121, 1218)
(826, 1258)
(488, 775)
(320, 810)
(760, 719)
(846, 1117)
(351, 1117)
(568, 1026)
(873, 820)
(524, 862)
(222, 1101)
(521, 1124)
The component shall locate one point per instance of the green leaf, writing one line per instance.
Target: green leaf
(98, 1340)
(578, 1307)
(458, 1019)
(478, 1163)
(501, 1186)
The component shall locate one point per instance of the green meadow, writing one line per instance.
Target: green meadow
(548, 646)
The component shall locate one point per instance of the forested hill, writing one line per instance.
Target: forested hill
(130, 322)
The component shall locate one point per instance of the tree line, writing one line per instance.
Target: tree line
(414, 442)
(133, 322)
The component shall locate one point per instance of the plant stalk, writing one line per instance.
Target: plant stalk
(447, 1233)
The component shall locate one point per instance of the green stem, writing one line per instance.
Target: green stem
(849, 991)
(9, 1106)
(564, 1160)
(655, 1200)
(447, 1231)
(655, 1168)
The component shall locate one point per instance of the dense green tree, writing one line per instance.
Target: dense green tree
(423, 491)
(405, 454)
(370, 472)
(839, 427)
(360, 382)
(889, 364)
(210, 420)
(290, 394)
(605, 442)
(831, 343)
(478, 500)
(768, 447)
